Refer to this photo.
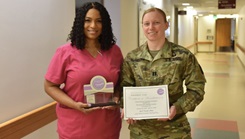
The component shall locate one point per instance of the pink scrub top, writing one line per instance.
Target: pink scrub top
(74, 68)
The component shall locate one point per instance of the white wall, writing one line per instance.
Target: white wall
(206, 27)
(46, 132)
(30, 33)
(114, 9)
(142, 7)
(186, 30)
(129, 25)
(240, 34)
(172, 25)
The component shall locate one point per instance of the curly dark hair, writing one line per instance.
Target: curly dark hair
(77, 36)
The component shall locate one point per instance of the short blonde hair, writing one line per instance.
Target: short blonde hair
(153, 9)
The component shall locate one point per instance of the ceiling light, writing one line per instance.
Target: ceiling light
(185, 4)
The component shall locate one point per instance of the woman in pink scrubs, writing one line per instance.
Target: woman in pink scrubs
(91, 52)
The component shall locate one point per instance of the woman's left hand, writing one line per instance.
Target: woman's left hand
(116, 100)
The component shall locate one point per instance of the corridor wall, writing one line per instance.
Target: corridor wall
(30, 33)
(240, 35)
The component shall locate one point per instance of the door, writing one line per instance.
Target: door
(223, 34)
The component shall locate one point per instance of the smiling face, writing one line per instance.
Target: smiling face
(92, 24)
(154, 25)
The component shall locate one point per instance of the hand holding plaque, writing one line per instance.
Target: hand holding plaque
(99, 93)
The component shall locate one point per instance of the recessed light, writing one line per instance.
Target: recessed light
(185, 4)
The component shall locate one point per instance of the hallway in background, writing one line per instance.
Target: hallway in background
(221, 114)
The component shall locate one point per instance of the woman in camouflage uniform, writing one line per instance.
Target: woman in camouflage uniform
(160, 62)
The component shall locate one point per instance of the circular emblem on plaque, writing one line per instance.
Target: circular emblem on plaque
(98, 82)
(160, 91)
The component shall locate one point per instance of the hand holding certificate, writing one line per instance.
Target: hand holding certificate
(149, 102)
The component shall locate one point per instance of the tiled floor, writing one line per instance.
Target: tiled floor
(221, 115)
(213, 129)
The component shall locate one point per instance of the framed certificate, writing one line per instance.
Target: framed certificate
(148, 102)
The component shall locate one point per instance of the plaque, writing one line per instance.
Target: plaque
(99, 93)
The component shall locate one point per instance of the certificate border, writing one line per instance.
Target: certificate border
(165, 87)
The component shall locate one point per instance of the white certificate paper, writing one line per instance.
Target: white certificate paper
(148, 102)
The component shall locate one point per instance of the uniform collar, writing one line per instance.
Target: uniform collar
(165, 51)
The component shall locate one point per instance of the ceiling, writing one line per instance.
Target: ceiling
(204, 6)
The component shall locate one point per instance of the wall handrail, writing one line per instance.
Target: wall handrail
(204, 42)
(25, 124)
(190, 46)
(195, 45)
(241, 48)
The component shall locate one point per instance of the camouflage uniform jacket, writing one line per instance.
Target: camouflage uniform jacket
(173, 65)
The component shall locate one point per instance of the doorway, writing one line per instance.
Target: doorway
(225, 35)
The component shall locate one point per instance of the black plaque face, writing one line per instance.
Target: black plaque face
(102, 104)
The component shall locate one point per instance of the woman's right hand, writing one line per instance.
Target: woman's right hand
(83, 107)
(61, 97)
